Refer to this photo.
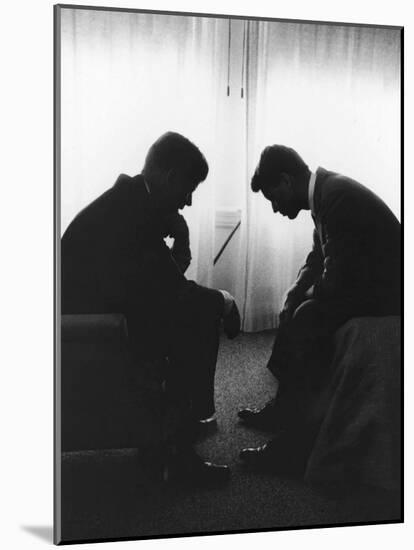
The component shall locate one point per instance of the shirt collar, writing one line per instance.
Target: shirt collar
(311, 191)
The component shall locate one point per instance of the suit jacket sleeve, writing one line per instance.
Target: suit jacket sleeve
(346, 267)
(165, 282)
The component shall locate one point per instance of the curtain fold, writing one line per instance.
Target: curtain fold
(333, 94)
(126, 79)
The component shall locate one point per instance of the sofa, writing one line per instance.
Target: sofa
(108, 399)
(360, 411)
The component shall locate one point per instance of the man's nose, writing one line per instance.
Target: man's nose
(189, 200)
(275, 207)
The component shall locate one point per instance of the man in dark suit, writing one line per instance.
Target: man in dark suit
(353, 270)
(114, 259)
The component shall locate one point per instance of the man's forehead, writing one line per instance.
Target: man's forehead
(267, 190)
(265, 173)
(269, 183)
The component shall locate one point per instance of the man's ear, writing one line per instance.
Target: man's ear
(173, 177)
(285, 178)
(170, 176)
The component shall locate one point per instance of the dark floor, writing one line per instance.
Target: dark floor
(108, 495)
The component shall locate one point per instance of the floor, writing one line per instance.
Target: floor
(111, 494)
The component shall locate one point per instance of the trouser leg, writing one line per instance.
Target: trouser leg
(190, 344)
(190, 340)
(283, 351)
(193, 349)
(205, 352)
(282, 355)
(310, 335)
(193, 358)
(297, 360)
(311, 332)
(312, 329)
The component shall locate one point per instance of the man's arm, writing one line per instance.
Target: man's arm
(166, 273)
(312, 269)
(308, 276)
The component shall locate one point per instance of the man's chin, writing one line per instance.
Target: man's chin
(289, 214)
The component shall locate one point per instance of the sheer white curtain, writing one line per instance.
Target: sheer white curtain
(333, 94)
(126, 79)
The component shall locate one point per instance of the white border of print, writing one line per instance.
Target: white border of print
(26, 227)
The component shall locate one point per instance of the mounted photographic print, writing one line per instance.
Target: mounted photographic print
(227, 274)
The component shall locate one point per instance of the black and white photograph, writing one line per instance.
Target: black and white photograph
(228, 274)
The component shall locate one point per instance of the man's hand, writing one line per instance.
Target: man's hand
(176, 227)
(231, 316)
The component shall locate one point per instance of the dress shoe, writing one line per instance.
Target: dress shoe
(188, 468)
(262, 457)
(206, 427)
(209, 420)
(275, 455)
(264, 418)
(199, 429)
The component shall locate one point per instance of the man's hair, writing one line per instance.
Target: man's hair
(174, 151)
(274, 160)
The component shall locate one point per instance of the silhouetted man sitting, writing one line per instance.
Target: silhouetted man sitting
(353, 270)
(115, 259)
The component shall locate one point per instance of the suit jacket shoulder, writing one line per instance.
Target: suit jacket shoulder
(342, 200)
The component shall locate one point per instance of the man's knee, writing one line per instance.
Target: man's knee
(307, 323)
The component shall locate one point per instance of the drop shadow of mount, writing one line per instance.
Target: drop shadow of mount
(44, 532)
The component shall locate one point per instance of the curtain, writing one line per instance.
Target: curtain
(333, 94)
(127, 78)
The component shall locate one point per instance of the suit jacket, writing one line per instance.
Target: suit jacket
(356, 257)
(114, 259)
